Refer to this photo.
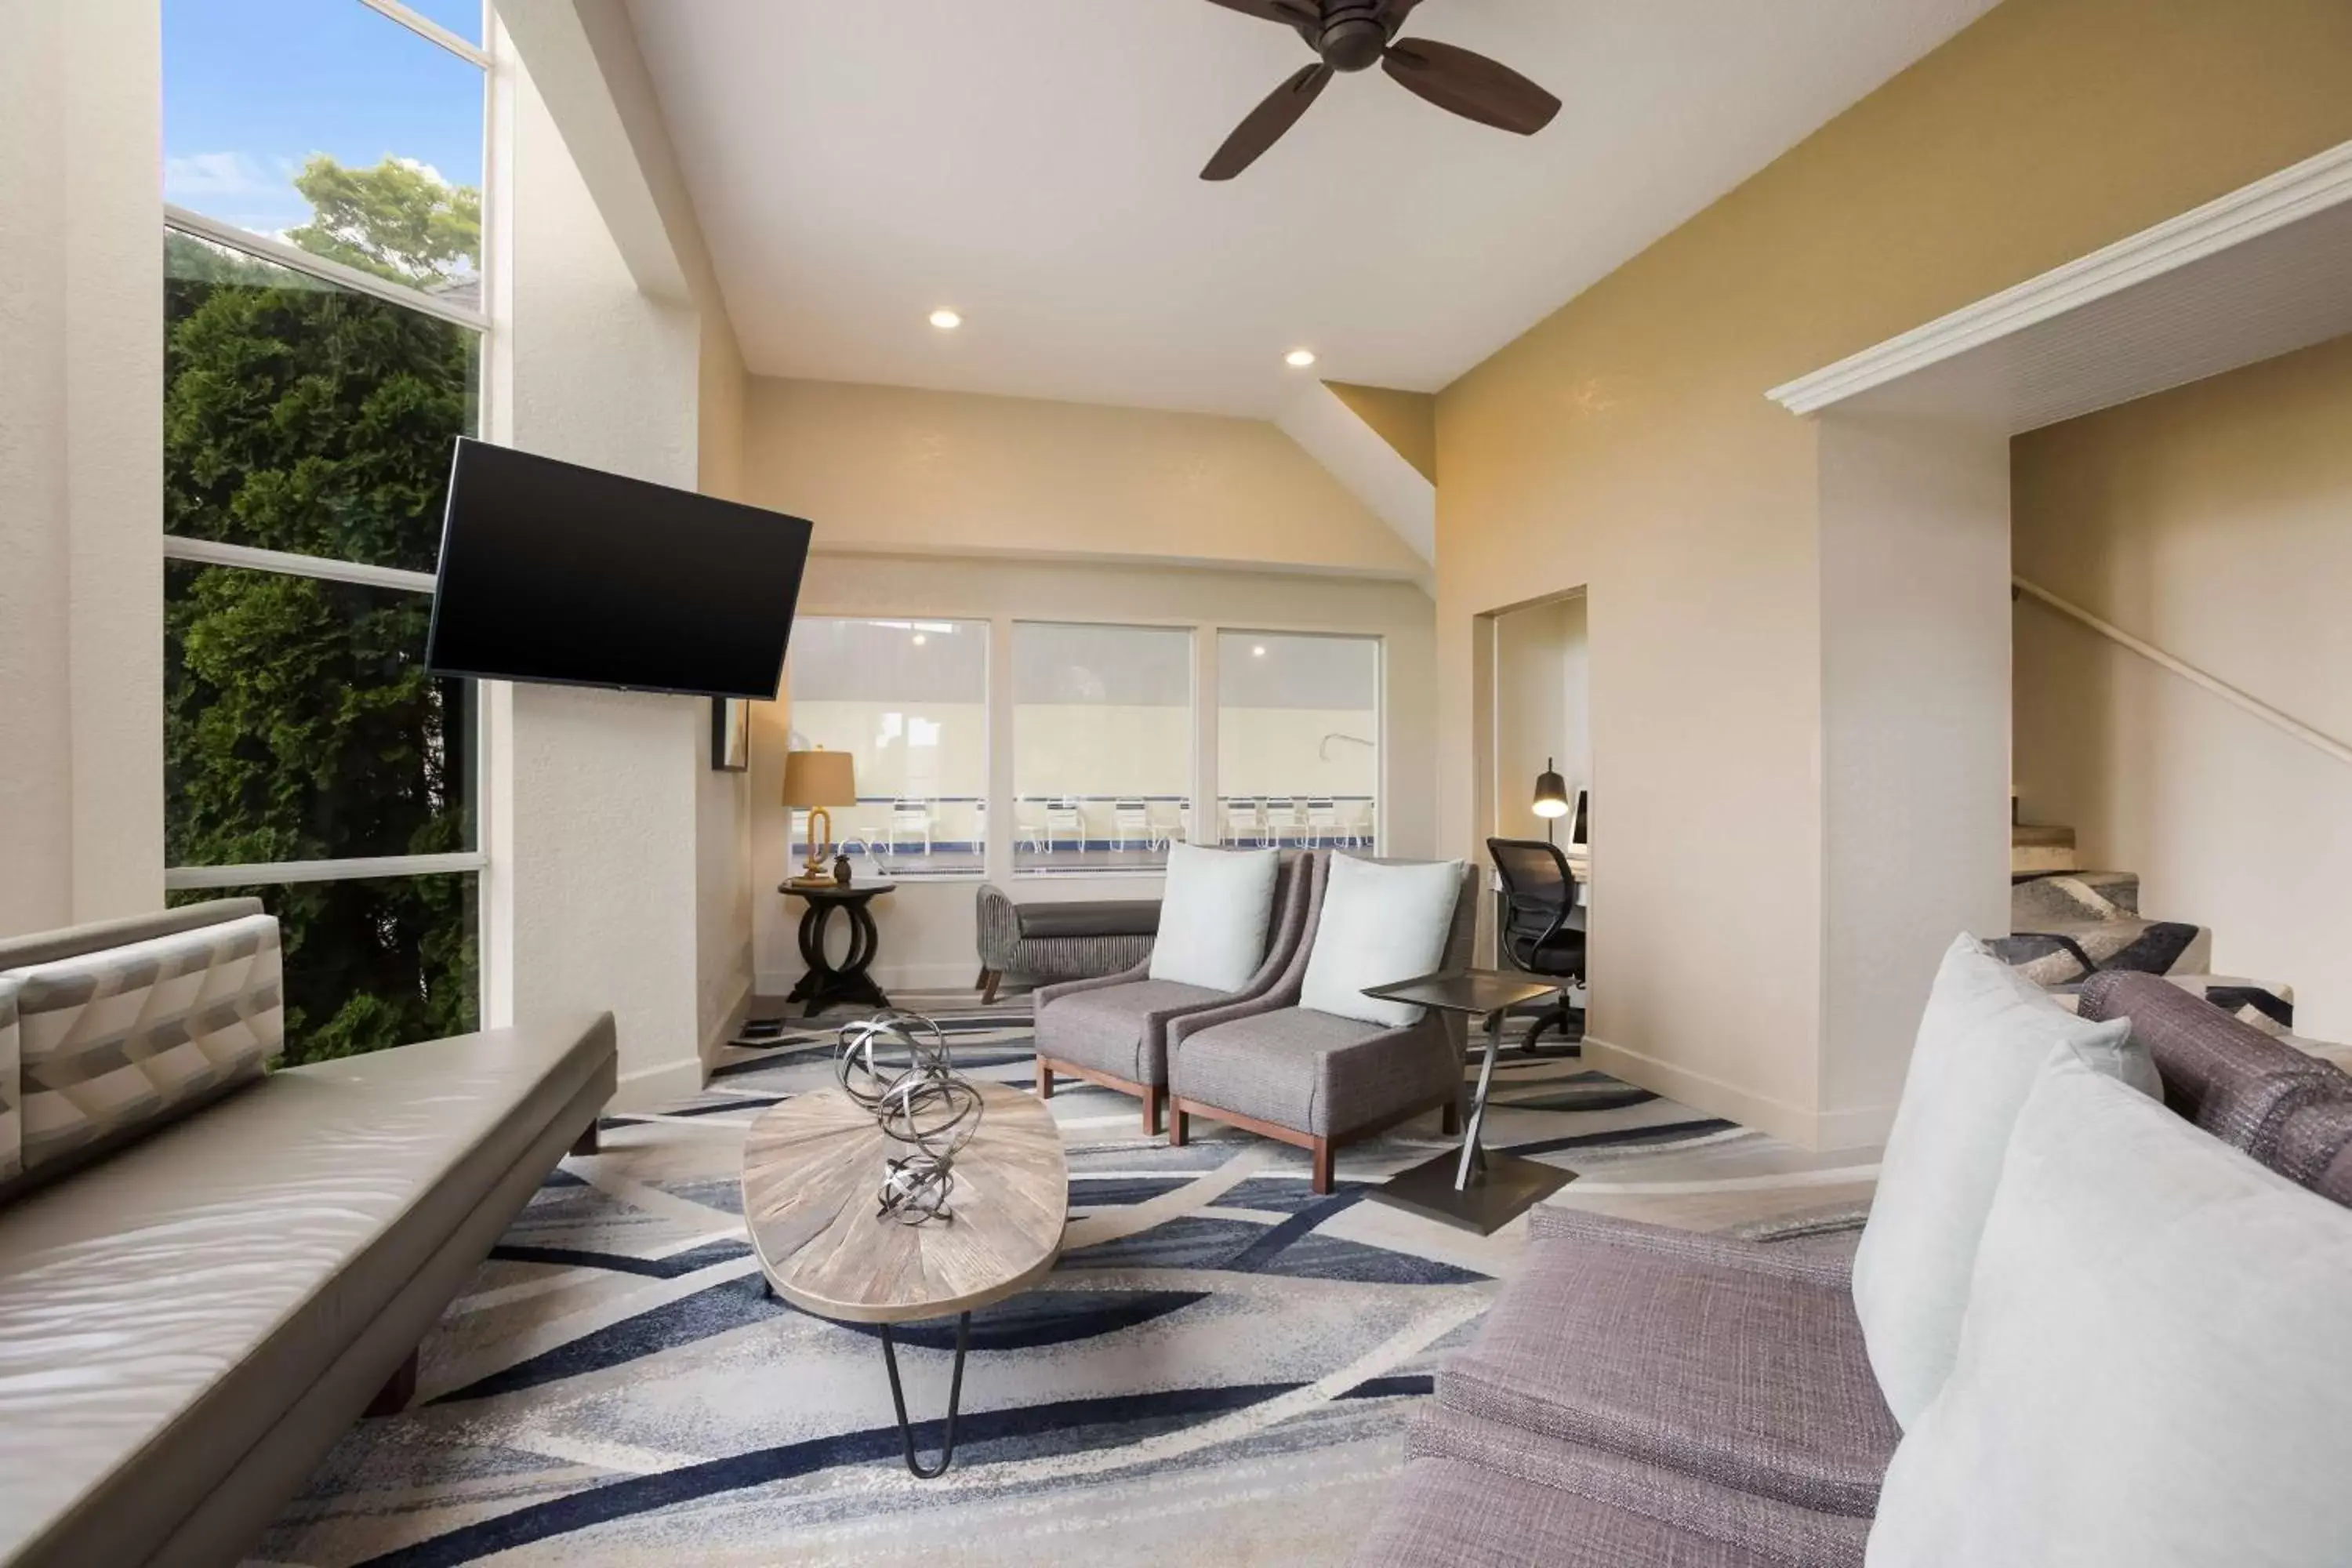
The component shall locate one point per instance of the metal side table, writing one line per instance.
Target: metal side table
(1472, 1189)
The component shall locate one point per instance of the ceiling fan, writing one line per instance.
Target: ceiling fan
(1353, 35)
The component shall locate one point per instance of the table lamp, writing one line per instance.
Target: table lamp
(813, 781)
(1551, 796)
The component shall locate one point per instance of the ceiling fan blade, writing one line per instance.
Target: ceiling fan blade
(1289, 13)
(1470, 85)
(1267, 122)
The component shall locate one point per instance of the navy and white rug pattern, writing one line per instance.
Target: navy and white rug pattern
(1220, 1369)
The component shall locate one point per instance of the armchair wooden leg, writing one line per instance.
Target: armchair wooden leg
(1150, 1111)
(1322, 1157)
(989, 981)
(1179, 1124)
(1449, 1120)
(586, 1142)
(1044, 1078)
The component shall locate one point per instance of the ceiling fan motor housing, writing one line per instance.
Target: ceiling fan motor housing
(1354, 37)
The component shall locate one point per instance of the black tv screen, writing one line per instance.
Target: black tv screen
(551, 571)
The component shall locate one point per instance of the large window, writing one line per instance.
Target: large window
(1102, 746)
(909, 700)
(1299, 726)
(323, 277)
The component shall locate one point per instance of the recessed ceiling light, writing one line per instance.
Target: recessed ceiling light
(946, 320)
(1299, 359)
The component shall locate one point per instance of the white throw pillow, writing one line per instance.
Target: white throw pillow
(1214, 916)
(1380, 924)
(2154, 1371)
(1984, 1036)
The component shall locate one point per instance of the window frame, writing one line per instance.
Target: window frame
(212, 553)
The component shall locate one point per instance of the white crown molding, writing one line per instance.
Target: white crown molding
(2293, 194)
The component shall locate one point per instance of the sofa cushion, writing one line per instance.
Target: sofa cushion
(1315, 1073)
(47, 947)
(1447, 1513)
(1119, 1030)
(1215, 916)
(159, 1312)
(1382, 922)
(1724, 1514)
(1981, 1040)
(2154, 1368)
(2231, 1079)
(116, 1041)
(1106, 917)
(1745, 1378)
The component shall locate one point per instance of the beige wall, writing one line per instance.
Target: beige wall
(1407, 421)
(886, 468)
(81, 377)
(2214, 521)
(1542, 695)
(1625, 443)
(927, 928)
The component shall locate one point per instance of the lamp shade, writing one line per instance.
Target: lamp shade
(820, 778)
(1552, 792)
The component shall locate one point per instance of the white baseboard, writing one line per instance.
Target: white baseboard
(1864, 1127)
(1701, 1091)
(644, 1088)
(889, 977)
(730, 1025)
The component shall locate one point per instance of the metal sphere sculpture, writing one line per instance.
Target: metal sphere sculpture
(898, 1066)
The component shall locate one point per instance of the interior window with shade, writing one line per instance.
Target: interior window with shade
(1298, 748)
(1102, 747)
(909, 700)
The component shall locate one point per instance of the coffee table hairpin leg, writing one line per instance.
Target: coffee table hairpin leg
(955, 1397)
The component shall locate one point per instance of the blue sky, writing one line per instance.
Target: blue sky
(252, 88)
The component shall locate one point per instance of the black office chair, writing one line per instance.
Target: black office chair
(1542, 931)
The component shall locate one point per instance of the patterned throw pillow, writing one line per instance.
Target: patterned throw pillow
(116, 1042)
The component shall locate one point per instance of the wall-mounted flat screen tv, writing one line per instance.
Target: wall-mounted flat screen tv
(551, 571)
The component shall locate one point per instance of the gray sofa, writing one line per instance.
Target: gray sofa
(1054, 940)
(1113, 1030)
(1280, 1070)
(207, 1272)
(1646, 1395)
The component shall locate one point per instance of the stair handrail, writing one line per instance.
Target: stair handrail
(2285, 723)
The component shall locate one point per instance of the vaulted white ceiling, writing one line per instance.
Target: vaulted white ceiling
(1032, 163)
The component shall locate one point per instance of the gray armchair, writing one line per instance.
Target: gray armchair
(1113, 1031)
(1273, 1067)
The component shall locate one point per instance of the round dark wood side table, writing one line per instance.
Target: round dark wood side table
(826, 983)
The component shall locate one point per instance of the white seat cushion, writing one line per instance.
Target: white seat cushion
(1380, 924)
(2154, 1371)
(1214, 916)
(1983, 1037)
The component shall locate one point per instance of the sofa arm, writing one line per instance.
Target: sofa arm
(1045, 996)
(999, 926)
(1551, 1225)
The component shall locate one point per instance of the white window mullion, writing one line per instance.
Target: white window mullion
(427, 27)
(197, 226)
(213, 552)
(356, 868)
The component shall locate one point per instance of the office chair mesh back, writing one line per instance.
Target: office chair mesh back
(1538, 889)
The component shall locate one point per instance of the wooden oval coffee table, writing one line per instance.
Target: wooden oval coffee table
(810, 1169)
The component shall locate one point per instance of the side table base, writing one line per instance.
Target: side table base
(1506, 1188)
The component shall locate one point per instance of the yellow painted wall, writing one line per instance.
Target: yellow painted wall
(1624, 443)
(1405, 420)
(2214, 521)
(883, 468)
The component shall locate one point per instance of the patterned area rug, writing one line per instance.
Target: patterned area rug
(1220, 1371)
